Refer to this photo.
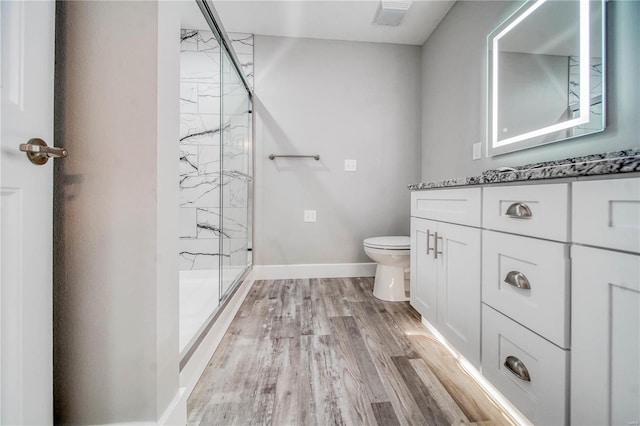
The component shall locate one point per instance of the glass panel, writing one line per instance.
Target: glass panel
(215, 168)
(200, 122)
(236, 179)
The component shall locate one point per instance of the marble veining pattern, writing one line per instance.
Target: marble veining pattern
(627, 161)
(243, 46)
(595, 84)
(204, 188)
(199, 129)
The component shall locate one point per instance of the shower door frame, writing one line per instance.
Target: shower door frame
(213, 20)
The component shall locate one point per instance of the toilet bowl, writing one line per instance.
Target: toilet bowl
(392, 256)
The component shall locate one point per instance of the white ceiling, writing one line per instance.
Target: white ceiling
(332, 20)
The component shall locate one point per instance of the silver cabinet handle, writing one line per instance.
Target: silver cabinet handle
(429, 234)
(435, 245)
(39, 153)
(517, 367)
(517, 279)
(519, 211)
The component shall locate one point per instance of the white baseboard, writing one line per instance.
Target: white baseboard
(176, 413)
(321, 270)
(196, 365)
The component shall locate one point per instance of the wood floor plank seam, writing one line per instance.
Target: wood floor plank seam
(326, 352)
(428, 405)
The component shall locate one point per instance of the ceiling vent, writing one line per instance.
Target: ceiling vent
(391, 12)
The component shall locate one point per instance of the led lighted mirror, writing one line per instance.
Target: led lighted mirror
(545, 75)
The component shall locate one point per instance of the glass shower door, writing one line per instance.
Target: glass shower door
(215, 170)
(236, 177)
(199, 181)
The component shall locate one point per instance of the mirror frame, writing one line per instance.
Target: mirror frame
(530, 139)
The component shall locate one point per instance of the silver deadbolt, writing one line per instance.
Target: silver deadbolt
(39, 153)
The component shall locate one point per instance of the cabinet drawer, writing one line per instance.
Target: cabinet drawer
(534, 210)
(544, 398)
(510, 261)
(460, 206)
(606, 213)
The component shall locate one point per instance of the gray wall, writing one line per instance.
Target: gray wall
(116, 205)
(342, 100)
(454, 101)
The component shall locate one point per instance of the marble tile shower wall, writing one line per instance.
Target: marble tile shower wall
(200, 151)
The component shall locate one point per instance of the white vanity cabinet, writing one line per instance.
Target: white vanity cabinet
(605, 301)
(445, 266)
(559, 294)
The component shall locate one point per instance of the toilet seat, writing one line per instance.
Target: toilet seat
(388, 243)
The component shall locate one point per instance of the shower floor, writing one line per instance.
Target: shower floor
(199, 298)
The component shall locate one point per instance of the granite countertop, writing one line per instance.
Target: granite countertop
(600, 164)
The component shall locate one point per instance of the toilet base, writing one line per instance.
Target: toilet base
(389, 284)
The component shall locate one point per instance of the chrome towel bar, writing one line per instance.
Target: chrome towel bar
(315, 157)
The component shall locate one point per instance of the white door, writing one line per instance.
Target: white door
(27, 51)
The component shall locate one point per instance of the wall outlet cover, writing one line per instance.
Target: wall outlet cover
(350, 165)
(309, 215)
(477, 151)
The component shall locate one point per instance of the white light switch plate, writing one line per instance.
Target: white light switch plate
(350, 165)
(477, 151)
(309, 215)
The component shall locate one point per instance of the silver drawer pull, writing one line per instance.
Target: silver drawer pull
(517, 367)
(435, 248)
(517, 279)
(519, 211)
(429, 234)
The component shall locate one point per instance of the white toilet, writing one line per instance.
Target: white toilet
(392, 256)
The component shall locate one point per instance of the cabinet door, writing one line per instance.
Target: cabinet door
(423, 268)
(458, 309)
(605, 334)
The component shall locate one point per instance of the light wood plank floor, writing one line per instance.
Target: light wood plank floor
(326, 352)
